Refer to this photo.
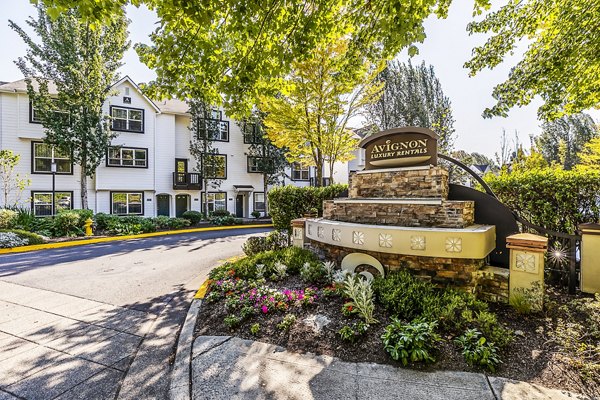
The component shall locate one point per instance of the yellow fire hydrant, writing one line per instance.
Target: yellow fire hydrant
(88, 227)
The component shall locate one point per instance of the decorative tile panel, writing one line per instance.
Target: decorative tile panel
(526, 262)
(336, 235)
(310, 229)
(385, 240)
(320, 231)
(417, 242)
(358, 237)
(453, 245)
(298, 233)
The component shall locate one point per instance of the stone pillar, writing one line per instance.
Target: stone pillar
(590, 256)
(298, 232)
(527, 267)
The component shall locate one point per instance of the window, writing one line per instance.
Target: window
(127, 119)
(44, 153)
(299, 172)
(215, 166)
(260, 164)
(214, 129)
(216, 201)
(131, 203)
(127, 157)
(41, 202)
(252, 134)
(36, 118)
(259, 201)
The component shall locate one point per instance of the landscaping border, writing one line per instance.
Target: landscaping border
(45, 246)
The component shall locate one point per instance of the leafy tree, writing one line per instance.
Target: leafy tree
(12, 183)
(309, 118)
(413, 96)
(269, 159)
(563, 139)
(81, 61)
(204, 129)
(590, 155)
(561, 63)
(235, 50)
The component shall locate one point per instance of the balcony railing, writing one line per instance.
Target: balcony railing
(326, 181)
(187, 181)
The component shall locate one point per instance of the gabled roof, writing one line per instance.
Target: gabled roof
(20, 86)
(174, 106)
(482, 168)
(126, 78)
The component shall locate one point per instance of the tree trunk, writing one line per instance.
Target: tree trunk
(266, 189)
(331, 164)
(206, 198)
(84, 192)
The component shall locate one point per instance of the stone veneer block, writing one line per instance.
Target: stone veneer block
(450, 214)
(424, 182)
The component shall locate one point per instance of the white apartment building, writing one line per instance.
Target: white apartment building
(150, 170)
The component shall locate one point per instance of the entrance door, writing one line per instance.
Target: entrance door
(163, 205)
(181, 204)
(239, 206)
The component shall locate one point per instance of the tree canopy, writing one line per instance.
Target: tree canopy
(81, 62)
(561, 63)
(562, 140)
(309, 117)
(413, 96)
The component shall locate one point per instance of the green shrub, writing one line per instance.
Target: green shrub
(402, 294)
(312, 272)
(178, 223)
(7, 218)
(553, 198)
(223, 221)
(43, 226)
(220, 213)
(287, 322)
(193, 216)
(83, 216)
(255, 214)
(32, 238)
(255, 329)
(161, 222)
(413, 342)
(66, 223)
(275, 240)
(238, 221)
(477, 350)
(128, 225)
(25, 219)
(103, 220)
(351, 333)
(231, 321)
(290, 202)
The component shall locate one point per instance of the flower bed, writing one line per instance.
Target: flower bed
(289, 298)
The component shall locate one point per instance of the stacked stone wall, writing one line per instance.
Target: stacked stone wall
(430, 182)
(450, 214)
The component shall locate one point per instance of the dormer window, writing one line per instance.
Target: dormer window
(127, 119)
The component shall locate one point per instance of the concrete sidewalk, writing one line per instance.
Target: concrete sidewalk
(225, 367)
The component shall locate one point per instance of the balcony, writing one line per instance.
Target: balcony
(187, 181)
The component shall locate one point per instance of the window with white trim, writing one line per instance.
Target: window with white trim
(41, 202)
(300, 172)
(216, 201)
(127, 203)
(127, 119)
(44, 154)
(259, 201)
(127, 157)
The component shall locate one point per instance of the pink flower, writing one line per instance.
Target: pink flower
(265, 309)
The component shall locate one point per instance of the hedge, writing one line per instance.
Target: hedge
(553, 198)
(290, 202)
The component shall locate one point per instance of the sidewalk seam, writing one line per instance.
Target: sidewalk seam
(487, 379)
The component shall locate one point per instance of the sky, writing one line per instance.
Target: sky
(446, 47)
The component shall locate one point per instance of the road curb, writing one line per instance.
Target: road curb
(181, 384)
(46, 246)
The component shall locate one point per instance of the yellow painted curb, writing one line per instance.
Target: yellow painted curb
(202, 291)
(22, 249)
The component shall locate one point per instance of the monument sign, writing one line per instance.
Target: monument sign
(400, 147)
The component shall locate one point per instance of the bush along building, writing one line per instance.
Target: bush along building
(148, 170)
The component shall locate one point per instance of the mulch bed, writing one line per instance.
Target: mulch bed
(530, 357)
